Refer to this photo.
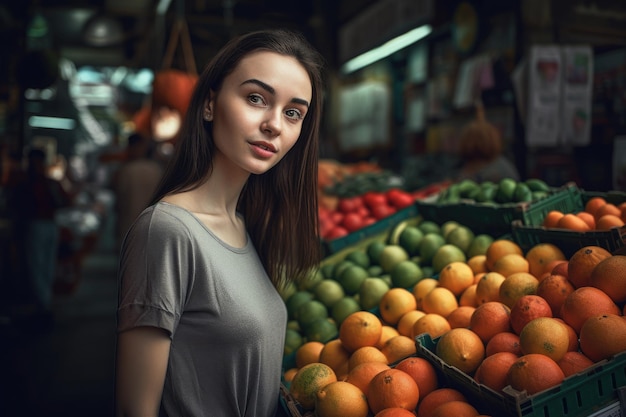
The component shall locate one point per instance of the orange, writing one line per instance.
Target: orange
(461, 348)
(586, 302)
(359, 329)
(527, 308)
(510, 264)
(492, 372)
(395, 303)
(489, 319)
(478, 276)
(587, 218)
(573, 336)
(609, 221)
(366, 354)
(392, 388)
(534, 373)
(468, 298)
(308, 380)
(341, 398)
(609, 275)
(608, 208)
(432, 323)
(455, 408)
(308, 352)
(498, 248)
(399, 347)
(552, 218)
(516, 285)
(289, 374)
(555, 289)
(503, 342)
(387, 333)
(440, 300)
(541, 255)
(545, 335)
(461, 316)
(603, 336)
(593, 204)
(574, 362)
(422, 288)
(336, 356)
(422, 371)
(570, 221)
(478, 263)
(406, 322)
(488, 288)
(456, 276)
(582, 262)
(395, 412)
(437, 397)
(560, 268)
(362, 374)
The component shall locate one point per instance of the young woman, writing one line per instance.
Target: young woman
(200, 321)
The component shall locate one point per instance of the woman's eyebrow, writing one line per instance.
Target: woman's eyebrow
(272, 91)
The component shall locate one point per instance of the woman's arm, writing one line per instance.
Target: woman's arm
(141, 363)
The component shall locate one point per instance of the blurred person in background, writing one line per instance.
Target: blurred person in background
(481, 152)
(35, 200)
(134, 183)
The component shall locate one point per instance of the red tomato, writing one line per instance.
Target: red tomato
(363, 211)
(336, 217)
(400, 198)
(374, 198)
(368, 220)
(382, 211)
(335, 233)
(352, 222)
(350, 204)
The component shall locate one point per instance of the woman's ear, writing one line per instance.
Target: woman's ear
(207, 112)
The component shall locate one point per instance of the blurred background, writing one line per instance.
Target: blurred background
(78, 78)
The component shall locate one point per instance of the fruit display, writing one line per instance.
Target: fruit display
(505, 191)
(498, 329)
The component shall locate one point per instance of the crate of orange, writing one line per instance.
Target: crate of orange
(580, 394)
(593, 219)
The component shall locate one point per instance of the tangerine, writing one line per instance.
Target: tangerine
(456, 276)
(555, 289)
(461, 348)
(308, 352)
(455, 408)
(437, 397)
(510, 264)
(516, 285)
(552, 218)
(582, 262)
(574, 362)
(468, 298)
(593, 204)
(406, 322)
(440, 300)
(308, 380)
(432, 323)
(488, 288)
(392, 388)
(603, 336)
(586, 302)
(527, 308)
(533, 373)
(570, 221)
(395, 303)
(493, 370)
(541, 255)
(363, 373)
(335, 355)
(608, 208)
(341, 398)
(361, 328)
(461, 316)
(498, 248)
(489, 319)
(366, 354)
(545, 335)
(587, 218)
(422, 371)
(422, 288)
(478, 263)
(609, 221)
(503, 342)
(387, 333)
(399, 347)
(609, 275)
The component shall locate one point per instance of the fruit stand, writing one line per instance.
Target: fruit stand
(423, 272)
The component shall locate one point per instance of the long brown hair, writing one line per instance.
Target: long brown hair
(279, 206)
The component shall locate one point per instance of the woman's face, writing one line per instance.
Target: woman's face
(259, 111)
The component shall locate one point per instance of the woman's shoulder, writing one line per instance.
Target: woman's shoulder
(164, 220)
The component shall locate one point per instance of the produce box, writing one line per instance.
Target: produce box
(580, 395)
(530, 231)
(495, 219)
(335, 245)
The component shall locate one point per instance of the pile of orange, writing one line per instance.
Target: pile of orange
(598, 214)
(528, 320)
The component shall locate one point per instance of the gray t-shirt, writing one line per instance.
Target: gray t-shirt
(225, 318)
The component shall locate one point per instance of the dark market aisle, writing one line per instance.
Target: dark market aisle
(67, 367)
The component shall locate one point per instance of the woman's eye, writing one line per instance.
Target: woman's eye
(294, 114)
(255, 99)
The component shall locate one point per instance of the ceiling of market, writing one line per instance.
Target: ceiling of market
(145, 28)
